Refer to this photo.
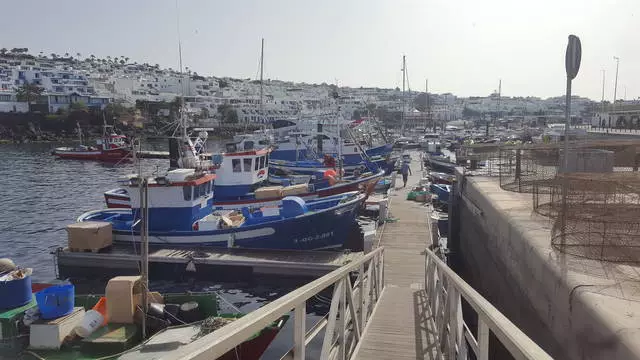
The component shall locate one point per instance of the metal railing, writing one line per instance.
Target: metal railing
(445, 291)
(351, 306)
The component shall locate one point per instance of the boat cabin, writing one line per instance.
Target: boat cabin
(240, 173)
(176, 200)
(111, 139)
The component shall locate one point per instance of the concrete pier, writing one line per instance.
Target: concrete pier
(575, 308)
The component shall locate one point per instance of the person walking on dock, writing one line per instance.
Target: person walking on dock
(405, 170)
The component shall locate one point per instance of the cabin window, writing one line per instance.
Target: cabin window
(203, 189)
(237, 166)
(261, 162)
(186, 192)
(266, 162)
(247, 165)
(196, 192)
(257, 164)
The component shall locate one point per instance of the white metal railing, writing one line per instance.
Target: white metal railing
(351, 307)
(445, 291)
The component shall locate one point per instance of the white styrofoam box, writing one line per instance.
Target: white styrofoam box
(49, 334)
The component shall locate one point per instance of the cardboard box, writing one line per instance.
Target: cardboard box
(295, 190)
(122, 294)
(89, 235)
(49, 334)
(269, 192)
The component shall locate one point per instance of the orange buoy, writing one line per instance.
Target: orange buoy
(101, 307)
(330, 172)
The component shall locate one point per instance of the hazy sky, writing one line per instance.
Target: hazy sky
(461, 46)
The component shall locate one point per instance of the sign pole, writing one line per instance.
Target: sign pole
(572, 65)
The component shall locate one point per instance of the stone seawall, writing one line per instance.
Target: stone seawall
(573, 307)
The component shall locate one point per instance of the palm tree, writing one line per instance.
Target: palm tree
(126, 59)
(78, 55)
(54, 56)
(66, 54)
(3, 51)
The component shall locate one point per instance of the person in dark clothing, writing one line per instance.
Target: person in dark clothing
(329, 161)
(405, 170)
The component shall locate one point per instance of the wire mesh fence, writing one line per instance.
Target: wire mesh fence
(593, 201)
(524, 167)
(595, 215)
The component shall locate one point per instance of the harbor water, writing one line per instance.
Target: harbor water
(41, 195)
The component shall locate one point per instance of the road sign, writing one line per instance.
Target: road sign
(572, 57)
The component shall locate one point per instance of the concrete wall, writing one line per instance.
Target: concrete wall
(12, 106)
(588, 160)
(572, 307)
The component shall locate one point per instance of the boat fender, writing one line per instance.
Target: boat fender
(191, 266)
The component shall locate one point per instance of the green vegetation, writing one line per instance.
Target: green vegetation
(78, 106)
(28, 93)
(228, 114)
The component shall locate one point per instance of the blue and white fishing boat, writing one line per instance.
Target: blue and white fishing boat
(241, 177)
(181, 212)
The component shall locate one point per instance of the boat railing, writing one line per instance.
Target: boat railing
(445, 292)
(351, 306)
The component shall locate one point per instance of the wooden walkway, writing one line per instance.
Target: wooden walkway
(401, 327)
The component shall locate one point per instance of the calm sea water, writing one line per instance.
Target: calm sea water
(40, 195)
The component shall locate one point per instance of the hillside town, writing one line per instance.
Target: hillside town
(136, 94)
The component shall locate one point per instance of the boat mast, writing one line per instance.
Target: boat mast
(261, 70)
(182, 119)
(428, 109)
(79, 133)
(404, 67)
(144, 250)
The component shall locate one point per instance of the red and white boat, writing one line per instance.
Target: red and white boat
(112, 147)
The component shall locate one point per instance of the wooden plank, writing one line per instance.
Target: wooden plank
(401, 326)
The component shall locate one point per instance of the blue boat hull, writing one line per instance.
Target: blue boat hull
(324, 229)
(351, 159)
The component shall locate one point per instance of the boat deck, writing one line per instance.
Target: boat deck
(168, 262)
(401, 327)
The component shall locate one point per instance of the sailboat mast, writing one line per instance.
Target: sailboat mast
(261, 73)
(426, 96)
(499, 96)
(183, 123)
(404, 67)
(144, 250)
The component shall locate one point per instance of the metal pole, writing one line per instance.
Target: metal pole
(567, 119)
(565, 183)
(261, 67)
(615, 88)
(403, 81)
(144, 250)
(602, 94)
(426, 99)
